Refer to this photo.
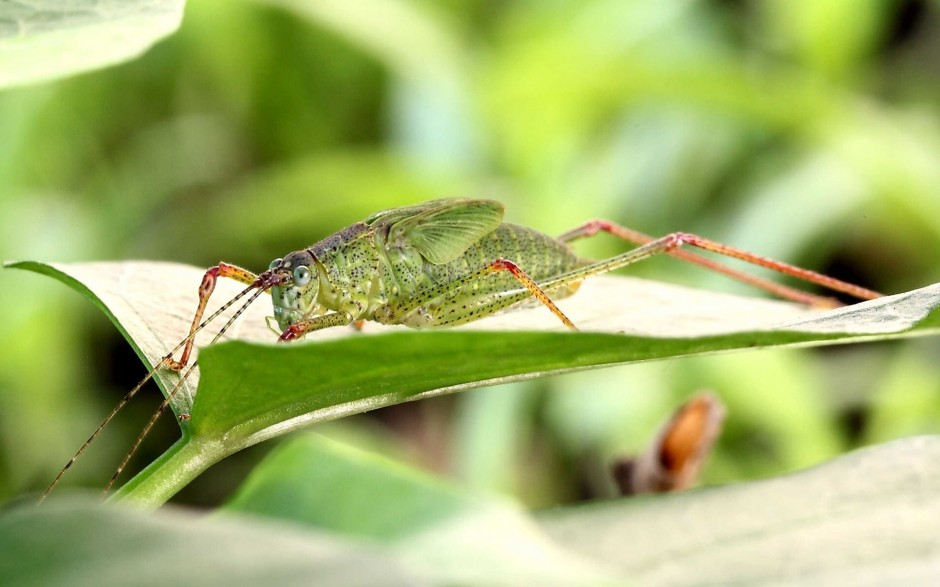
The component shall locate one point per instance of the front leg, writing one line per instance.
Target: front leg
(205, 291)
(300, 329)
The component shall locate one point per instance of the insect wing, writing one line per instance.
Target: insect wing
(443, 232)
(393, 215)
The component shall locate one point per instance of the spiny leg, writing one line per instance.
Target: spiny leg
(264, 281)
(675, 240)
(205, 291)
(531, 285)
(593, 227)
(452, 308)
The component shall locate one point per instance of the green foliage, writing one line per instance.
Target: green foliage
(317, 510)
(250, 392)
(804, 130)
(42, 39)
(79, 542)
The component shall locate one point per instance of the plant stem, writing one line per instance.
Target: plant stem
(172, 471)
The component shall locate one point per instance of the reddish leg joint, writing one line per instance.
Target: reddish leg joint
(205, 291)
(529, 283)
(293, 332)
(206, 288)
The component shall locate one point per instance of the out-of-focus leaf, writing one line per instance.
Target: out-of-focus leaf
(831, 36)
(402, 34)
(868, 518)
(46, 39)
(80, 542)
(455, 538)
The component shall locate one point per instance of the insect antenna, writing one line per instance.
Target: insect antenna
(164, 361)
(179, 384)
(124, 401)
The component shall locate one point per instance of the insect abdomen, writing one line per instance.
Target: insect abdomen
(538, 254)
(448, 294)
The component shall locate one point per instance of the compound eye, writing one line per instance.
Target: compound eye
(301, 275)
(275, 263)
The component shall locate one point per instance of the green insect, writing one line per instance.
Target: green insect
(442, 263)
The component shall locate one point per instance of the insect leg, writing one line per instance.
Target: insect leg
(167, 360)
(179, 384)
(529, 283)
(205, 291)
(299, 329)
(456, 302)
(593, 227)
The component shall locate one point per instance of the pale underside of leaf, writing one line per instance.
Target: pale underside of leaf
(153, 303)
(865, 518)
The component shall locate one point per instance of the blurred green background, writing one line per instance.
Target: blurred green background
(806, 130)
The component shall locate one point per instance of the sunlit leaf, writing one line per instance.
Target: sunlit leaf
(47, 39)
(251, 391)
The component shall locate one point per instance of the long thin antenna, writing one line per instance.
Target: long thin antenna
(150, 424)
(179, 384)
(130, 395)
(127, 398)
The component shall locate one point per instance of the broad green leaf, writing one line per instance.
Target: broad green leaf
(42, 40)
(80, 542)
(250, 392)
(868, 518)
(452, 537)
(869, 515)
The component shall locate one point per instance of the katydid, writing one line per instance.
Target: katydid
(437, 264)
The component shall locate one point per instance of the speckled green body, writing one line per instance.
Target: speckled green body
(371, 271)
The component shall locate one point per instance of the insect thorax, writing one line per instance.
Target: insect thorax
(349, 276)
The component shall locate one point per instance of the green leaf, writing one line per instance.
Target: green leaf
(453, 537)
(794, 527)
(41, 40)
(866, 518)
(83, 543)
(250, 392)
